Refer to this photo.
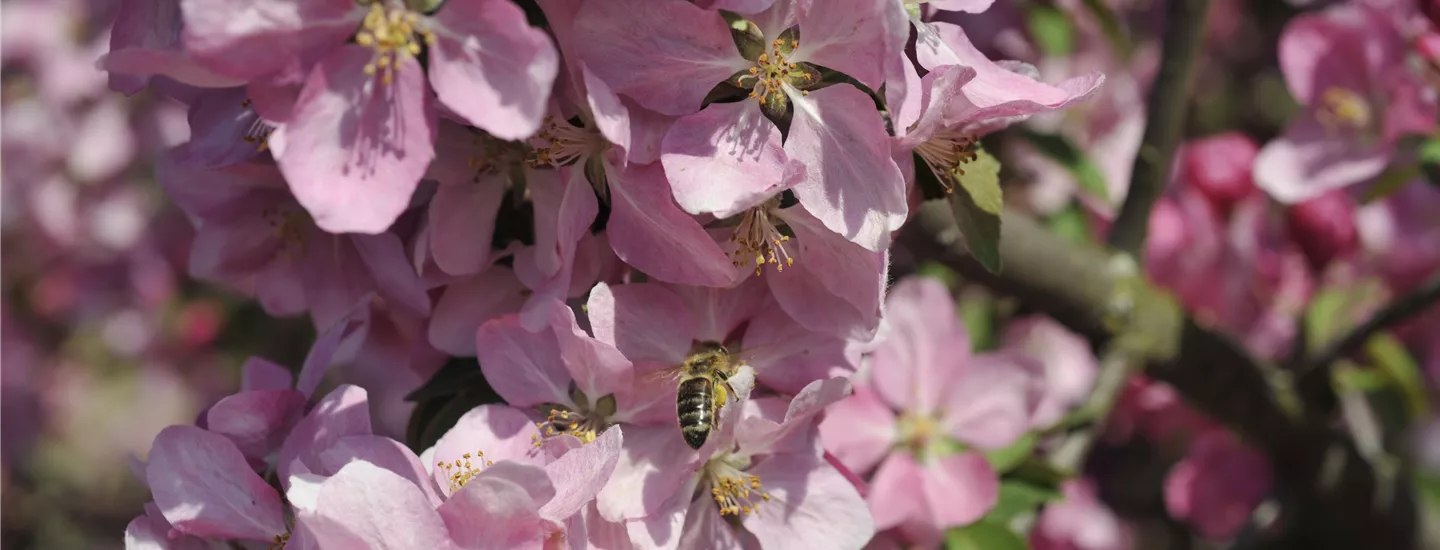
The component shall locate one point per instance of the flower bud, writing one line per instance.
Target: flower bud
(1219, 166)
(1324, 227)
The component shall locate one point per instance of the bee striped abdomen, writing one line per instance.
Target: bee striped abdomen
(693, 402)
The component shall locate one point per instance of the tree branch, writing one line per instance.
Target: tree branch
(1400, 309)
(1165, 122)
(1334, 495)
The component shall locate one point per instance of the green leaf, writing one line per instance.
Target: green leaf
(1059, 149)
(1390, 181)
(1039, 471)
(977, 308)
(1051, 30)
(977, 209)
(1429, 154)
(1391, 358)
(1009, 457)
(940, 272)
(1018, 497)
(984, 535)
(1335, 310)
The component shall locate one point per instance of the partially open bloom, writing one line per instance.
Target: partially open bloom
(1079, 522)
(1347, 66)
(922, 396)
(1218, 485)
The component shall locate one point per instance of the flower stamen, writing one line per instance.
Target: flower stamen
(760, 239)
(1342, 108)
(391, 33)
(463, 470)
(945, 153)
(734, 492)
(561, 420)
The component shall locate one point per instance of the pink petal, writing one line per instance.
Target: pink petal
(563, 213)
(500, 432)
(260, 374)
(648, 231)
(894, 490)
(256, 421)
(462, 225)
(719, 311)
(205, 488)
(366, 506)
(1308, 160)
(580, 474)
(666, 55)
(611, 116)
(851, 184)
(345, 411)
(395, 279)
(935, 93)
(597, 368)
(703, 527)
(1070, 366)
(851, 279)
(647, 131)
(967, 6)
(171, 63)
(220, 124)
(526, 368)
(356, 147)
(960, 489)
(997, 91)
(787, 356)
(910, 366)
(1336, 48)
(815, 506)
(646, 321)
(467, 304)
(322, 353)
(255, 38)
(991, 402)
(491, 67)
(498, 508)
(383, 452)
(654, 464)
(855, 37)
(859, 430)
(725, 159)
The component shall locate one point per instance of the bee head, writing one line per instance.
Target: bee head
(706, 356)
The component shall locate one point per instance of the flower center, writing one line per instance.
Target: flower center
(1344, 109)
(734, 492)
(759, 237)
(917, 432)
(288, 224)
(391, 33)
(463, 470)
(259, 132)
(565, 143)
(945, 153)
(582, 421)
(774, 70)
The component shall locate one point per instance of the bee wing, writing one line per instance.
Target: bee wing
(660, 376)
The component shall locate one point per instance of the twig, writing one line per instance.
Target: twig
(1400, 309)
(1165, 122)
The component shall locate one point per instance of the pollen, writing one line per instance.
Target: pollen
(562, 144)
(391, 33)
(773, 71)
(561, 421)
(279, 542)
(464, 469)
(946, 154)
(736, 493)
(1342, 108)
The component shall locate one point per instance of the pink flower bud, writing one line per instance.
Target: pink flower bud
(1324, 227)
(1219, 166)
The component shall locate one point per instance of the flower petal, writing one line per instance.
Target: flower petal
(526, 368)
(645, 321)
(462, 225)
(205, 488)
(1308, 160)
(666, 55)
(893, 491)
(855, 37)
(491, 67)
(851, 279)
(356, 147)
(580, 474)
(725, 159)
(499, 508)
(787, 356)
(345, 411)
(654, 464)
(469, 303)
(926, 336)
(366, 506)
(499, 431)
(960, 489)
(992, 401)
(385, 453)
(256, 421)
(851, 184)
(250, 39)
(648, 231)
(817, 507)
(858, 430)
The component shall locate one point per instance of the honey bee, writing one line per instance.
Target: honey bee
(704, 388)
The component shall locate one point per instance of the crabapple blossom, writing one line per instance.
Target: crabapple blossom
(1218, 485)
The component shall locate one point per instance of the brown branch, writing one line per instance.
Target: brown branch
(1333, 495)
(1165, 122)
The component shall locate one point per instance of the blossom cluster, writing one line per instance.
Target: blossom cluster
(583, 196)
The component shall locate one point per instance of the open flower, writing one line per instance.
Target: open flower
(1079, 522)
(357, 139)
(1346, 66)
(921, 394)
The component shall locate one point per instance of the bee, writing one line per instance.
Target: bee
(704, 388)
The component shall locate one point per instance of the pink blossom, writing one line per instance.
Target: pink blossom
(1154, 410)
(925, 370)
(1324, 227)
(204, 488)
(250, 230)
(364, 122)
(1346, 65)
(145, 43)
(1218, 485)
(1079, 522)
(1399, 235)
(668, 57)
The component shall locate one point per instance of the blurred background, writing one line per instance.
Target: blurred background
(106, 339)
